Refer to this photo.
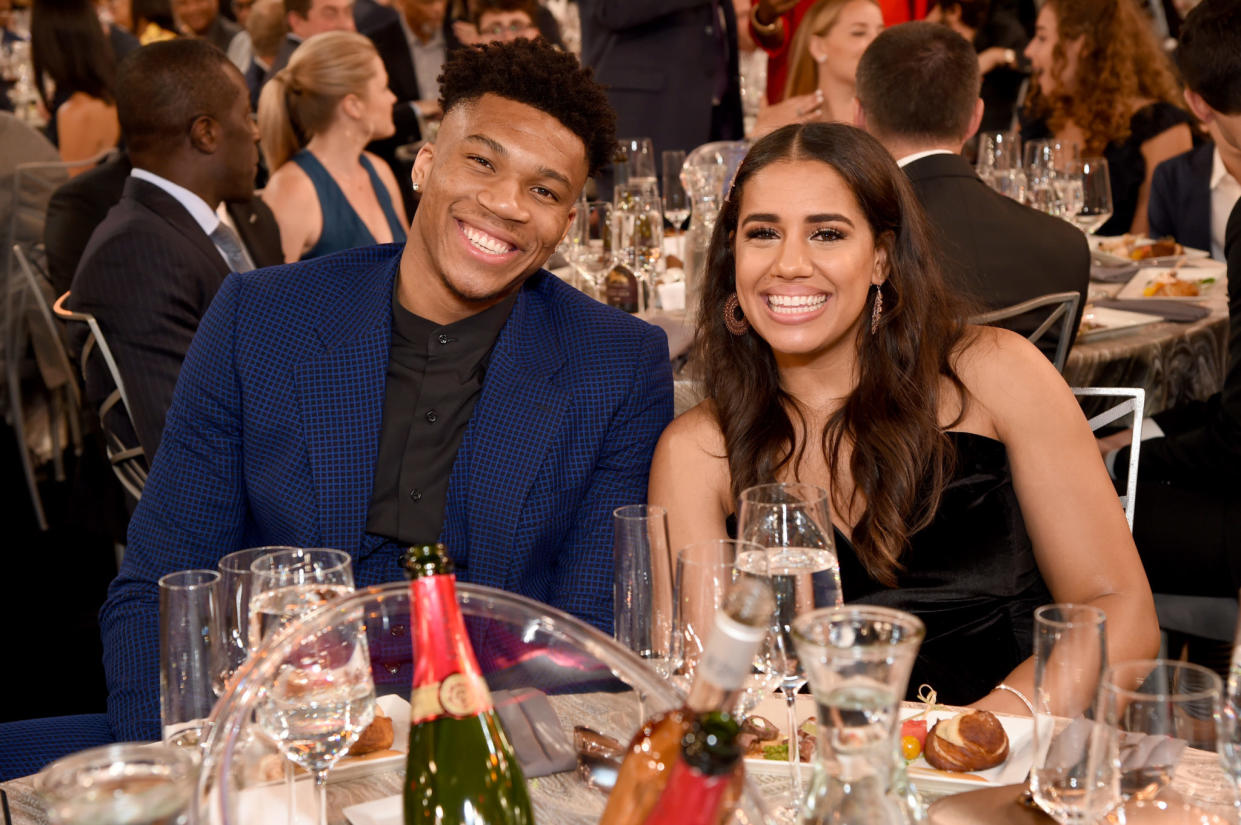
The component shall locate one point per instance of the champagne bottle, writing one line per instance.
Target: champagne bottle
(740, 627)
(460, 767)
(697, 789)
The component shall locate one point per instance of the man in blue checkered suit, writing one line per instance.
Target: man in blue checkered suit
(275, 431)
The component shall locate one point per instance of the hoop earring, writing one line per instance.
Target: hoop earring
(876, 310)
(734, 319)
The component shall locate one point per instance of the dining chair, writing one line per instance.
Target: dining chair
(1062, 310)
(125, 454)
(28, 323)
(1131, 403)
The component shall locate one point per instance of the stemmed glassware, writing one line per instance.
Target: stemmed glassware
(1096, 206)
(1073, 777)
(793, 522)
(638, 232)
(236, 580)
(1156, 709)
(634, 163)
(676, 200)
(999, 164)
(591, 250)
(323, 695)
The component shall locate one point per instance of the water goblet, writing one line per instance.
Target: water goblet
(1073, 777)
(1096, 206)
(236, 584)
(792, 521)
(999, 164)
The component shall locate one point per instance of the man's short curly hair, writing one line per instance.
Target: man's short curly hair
(539, 75)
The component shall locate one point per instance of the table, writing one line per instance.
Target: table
(1199, 774)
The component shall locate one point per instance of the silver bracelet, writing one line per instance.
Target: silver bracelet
(1024, 699)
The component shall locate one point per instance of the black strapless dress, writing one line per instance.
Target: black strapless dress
(970, 576)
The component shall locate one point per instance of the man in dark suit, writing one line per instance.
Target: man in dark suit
(1192, 195)
(670, 68)
(152, 267)
(81, 204)
(1187, 522)
(449, 387)
(917, 92)
(306, 18)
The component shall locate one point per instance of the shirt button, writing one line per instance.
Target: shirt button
(444, 339)
(415, 495)
(431, 417)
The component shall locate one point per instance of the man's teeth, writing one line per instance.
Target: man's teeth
(485, 242)
(793, 304)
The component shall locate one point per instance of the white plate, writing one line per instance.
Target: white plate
(1212, 280)
(1112, 322)
(1165, 260)
(1013, 769)
(386, 811)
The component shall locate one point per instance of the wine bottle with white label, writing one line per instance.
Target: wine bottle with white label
(741, 624)
(460, 767)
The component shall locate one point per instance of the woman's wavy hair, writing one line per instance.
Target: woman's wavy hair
(898, 454)
(301, 99)
(68, 46)
(803, 76)
(1120, 62)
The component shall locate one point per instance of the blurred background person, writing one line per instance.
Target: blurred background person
(150, 21)
(1193, 194)
(305, 19)
(504, 20)
(266, 27)
(202, 18)
(1101, 83)
(823, 62)
(70, 53)
(316, 117)
(999, 39)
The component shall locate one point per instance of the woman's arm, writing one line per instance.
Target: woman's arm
(1081, 540)
(394, 191)
(289, 193)
(689, 479)
(1167, 144)
(85, 127)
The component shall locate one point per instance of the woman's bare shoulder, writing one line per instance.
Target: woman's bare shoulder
(289, 182)
(696, 430)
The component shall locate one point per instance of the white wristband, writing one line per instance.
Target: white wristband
(1024, 699)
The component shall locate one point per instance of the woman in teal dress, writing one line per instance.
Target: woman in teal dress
(316, 117)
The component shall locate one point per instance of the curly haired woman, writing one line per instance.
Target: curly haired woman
(1102, 84)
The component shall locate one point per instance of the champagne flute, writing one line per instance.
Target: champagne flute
(323, 696)
(591, 250)
(1096, 206)
(642, 584)
(792, 521)
(1073, 777)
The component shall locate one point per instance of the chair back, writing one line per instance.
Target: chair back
(1131, 403)
(1061, 308)
(125, 454)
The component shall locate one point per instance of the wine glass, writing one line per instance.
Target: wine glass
(1073, 776)
(638, 232)
(792, 521)
(705, 572)
(323, 696)
(1096, 206)
(591, 250)
(634, 163)
(676, 200)
(236, 580)
(1158, 708)
(999, 164)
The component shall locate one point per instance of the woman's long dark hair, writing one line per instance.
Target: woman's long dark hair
(900, 457)
(67, 44)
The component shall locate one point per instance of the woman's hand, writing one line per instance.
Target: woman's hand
(798, 109)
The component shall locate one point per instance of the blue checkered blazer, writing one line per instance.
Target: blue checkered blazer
(273, 431)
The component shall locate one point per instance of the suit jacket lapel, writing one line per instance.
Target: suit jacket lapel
(340, 391)
(172, 212)
(506, 445)
(258, 230)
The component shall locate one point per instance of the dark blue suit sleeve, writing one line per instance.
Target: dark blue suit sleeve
(192, 512)
(583, 585)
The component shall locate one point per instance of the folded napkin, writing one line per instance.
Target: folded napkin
(539, 742)
(1112, 273)
(1178, 311)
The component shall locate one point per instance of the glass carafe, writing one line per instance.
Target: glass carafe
(858, 659)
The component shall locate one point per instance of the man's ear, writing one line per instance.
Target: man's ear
(1198, 106)
(859, 115)
(205, 134)
(422, 163)
(975, 119)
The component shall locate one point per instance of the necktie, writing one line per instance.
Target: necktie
(226, 240)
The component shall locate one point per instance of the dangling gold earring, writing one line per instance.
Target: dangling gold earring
(876, 309)
(734, 318)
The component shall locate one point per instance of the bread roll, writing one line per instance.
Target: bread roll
(970, 741)
(376, 737)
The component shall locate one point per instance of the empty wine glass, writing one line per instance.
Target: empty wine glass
(638, 232)
(1096, 206)
(676, 200)
(792, 521)
(236, 580)
(1157, 709)
(634, 163)
(591, 249)
(999, 164)
(323, 696)
(1073, 777)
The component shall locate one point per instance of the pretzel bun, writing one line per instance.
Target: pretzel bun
(970, 741)
(377, 736)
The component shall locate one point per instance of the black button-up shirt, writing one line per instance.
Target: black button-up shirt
(435, 375)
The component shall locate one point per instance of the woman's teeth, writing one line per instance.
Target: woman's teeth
(795, 304)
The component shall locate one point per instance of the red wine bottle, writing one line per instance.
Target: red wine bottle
(460, 767)
(697, 789)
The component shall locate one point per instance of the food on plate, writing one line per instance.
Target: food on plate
(376, 737)
(970, 741)
(911, 748)
(762, 740)
(1168, 285)
(913, 738)
(1088, 326)
(1138, 248)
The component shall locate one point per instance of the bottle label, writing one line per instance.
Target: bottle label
(459, 696)
(728, 660)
